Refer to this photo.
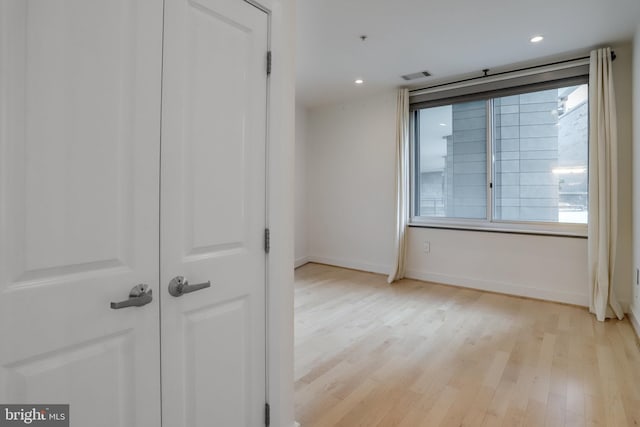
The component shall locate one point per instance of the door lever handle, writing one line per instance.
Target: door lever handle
(179, 286)
(140, 295)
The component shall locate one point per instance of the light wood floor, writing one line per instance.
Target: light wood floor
(419, 354)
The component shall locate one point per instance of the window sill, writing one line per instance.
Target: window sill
(565, 230)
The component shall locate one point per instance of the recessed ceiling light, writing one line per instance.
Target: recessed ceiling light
(443, 124)
(359, 81)
(536, 39)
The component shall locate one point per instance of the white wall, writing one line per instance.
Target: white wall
(351, 183)
(351, 211)
(553, 268)
(635, 302)
(301, 252)
(624, 271)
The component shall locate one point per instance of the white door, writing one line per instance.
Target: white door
(79, 172)
(213, 213)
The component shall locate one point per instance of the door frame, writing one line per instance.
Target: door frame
(267, 180)
(279, 209)
(280, 178)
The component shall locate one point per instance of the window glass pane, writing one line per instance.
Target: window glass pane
(451, 161)
(540, 156)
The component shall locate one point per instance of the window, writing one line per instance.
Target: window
(518, 160)
(451, 161)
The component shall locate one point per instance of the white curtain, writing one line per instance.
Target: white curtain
(603, 187)
(402, 184)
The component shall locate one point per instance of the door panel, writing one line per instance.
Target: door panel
(72, 375)
(71, 158)
(218, 55)
(213, 212)
(229, 352)
(79, 179)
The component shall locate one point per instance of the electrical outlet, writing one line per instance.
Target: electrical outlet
(426, 247)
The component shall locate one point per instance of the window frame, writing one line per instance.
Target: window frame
(488, 223)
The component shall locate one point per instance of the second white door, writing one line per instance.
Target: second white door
(213, 213)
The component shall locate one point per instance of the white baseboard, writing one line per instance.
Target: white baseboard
(502, 288)
(300, 262)
(635, 322)
(354, 265)
(467, 282)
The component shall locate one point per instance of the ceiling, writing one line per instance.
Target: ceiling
(448, 38)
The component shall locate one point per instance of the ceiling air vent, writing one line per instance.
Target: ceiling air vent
(414, 76)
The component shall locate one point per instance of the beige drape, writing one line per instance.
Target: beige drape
(603, 187)
(402, 185)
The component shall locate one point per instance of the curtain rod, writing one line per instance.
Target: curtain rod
(486, 72)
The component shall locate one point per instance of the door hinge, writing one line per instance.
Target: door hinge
(267, 240)
(267, 414)
(268, 63)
